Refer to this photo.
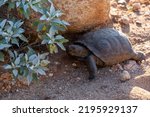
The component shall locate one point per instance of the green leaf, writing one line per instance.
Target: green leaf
(58, 13)
(15, 41)
(18, 32)
(2, 2)
(65, 23)
(35, 23)
(43, 17)
(23, 38)
(18, 4)
(41, 72)
(61, 46)
(40, 27)
(1, 57)
(52, 48)
(44, 55)
(7, 66)
(25, 7)
(45, 41)
(58, 21)
(11, 54)
(34, 59)
(15, 72)
(53, 30)
(25, 71)
(2, 46)
(11, 5)
(44, 63)
(34, 76)
(17, 61)
(18, 23)
(52, 9)
(29, 78)
(59, 37)
(11, 23)
(2, 24)
(30, 51)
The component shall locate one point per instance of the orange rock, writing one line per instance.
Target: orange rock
(84, 14)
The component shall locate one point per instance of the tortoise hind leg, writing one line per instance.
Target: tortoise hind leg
(138, 56)
(92, 68)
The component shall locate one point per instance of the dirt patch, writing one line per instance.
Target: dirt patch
(68, 78)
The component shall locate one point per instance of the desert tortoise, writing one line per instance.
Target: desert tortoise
(103, 47)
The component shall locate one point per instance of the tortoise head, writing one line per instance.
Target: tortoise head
(77, 50)
(141, 55)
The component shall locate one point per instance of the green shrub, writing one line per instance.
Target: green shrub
(24, 63)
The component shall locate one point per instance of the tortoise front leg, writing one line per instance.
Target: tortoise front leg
(92, 68)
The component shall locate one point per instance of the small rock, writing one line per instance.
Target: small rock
(110, 70)
(138, 22)
(78, 78)
(119, 66)
(123, 2)
(136, 6)
(57, 63)
(115, 14)
(114, 4)
(50, 74)
(131, 66)
(139, 93)
(74, 64)
(147, 13)
(125, 76)
(17, 90)
(125, 20)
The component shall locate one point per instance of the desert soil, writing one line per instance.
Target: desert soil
(67, 78)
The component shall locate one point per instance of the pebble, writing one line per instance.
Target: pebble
(78, 78)
(123, 2)
(17, 90)
(136, 6)
(114, 12)
(147, 13)
(125, 20)
(138, 23)
(131, 66)
(120, 66)
(50, 74)
(74, 64)
(57, 63)
(125, 75)
(114, 4)
(117, 67)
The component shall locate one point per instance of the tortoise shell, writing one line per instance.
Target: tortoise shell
(108, 44)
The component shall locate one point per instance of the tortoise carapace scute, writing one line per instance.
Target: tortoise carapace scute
(104, 47)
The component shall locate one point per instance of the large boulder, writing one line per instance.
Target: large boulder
(84, 14)
(81, 14)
